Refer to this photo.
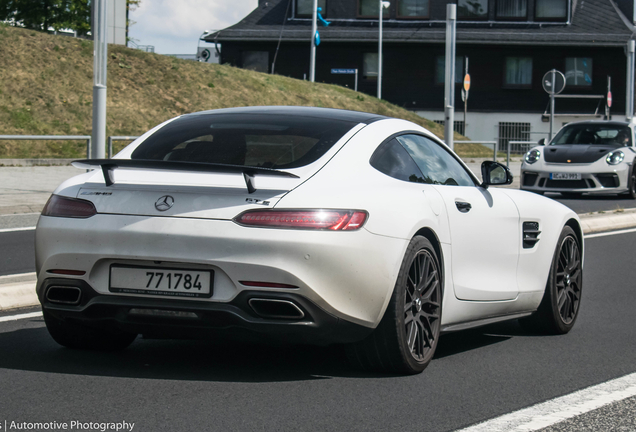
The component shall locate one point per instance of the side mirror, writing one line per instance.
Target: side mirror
(495, 174)
(541, 142)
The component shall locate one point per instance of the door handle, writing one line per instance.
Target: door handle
(463, 207)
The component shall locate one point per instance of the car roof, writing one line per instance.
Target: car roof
(596, 122)
(299, 111)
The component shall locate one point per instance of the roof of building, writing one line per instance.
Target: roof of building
(593, 22)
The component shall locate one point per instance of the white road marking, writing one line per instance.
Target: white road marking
(21, 316)
(16, 229)
(625, 231)
(17, 275)
(557, 410)
(19, 214)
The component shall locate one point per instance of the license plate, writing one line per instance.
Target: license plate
(161, 281)
(565, 176)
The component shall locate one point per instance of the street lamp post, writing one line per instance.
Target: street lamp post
(449, 80)
(383, 4)
(314, 29)
(100, 51)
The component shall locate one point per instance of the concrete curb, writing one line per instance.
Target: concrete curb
(18, 291)
(600, 222)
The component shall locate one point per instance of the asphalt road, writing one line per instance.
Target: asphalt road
(589, 203)
(17, 252)
(183, 385)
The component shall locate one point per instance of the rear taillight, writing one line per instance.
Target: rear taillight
(335, 220)
(59, 206)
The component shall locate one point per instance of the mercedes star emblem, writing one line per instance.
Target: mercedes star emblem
(164, 203)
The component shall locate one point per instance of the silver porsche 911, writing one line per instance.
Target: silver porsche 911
(591, 157)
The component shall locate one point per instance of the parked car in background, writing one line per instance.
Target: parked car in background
(593, 157)
(303, 224)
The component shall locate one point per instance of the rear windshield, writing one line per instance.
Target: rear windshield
(258, 140)
(603, 134)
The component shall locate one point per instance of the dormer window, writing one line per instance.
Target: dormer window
(472, 9)
(551, 10)
(370, 9)
(303, 8)
(413, 8)
(512, 9)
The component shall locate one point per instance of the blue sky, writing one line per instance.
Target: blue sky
(174, 27)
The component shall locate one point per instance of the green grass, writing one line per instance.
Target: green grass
(46, 88)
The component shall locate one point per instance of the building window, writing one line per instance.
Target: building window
(440, 70)
(512, 9)
(578, 71)
(472, 9)
(369, 8)
(303, 8)
(551, 9)
(518, 71)
(370, 66)
(512, 131)
(413, 8)
(256, 60)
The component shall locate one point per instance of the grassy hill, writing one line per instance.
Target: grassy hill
(46, 86)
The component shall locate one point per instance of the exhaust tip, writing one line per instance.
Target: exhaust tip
(64, 295)
(276, 309)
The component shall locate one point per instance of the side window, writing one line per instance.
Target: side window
(393, 160)
(436, 164)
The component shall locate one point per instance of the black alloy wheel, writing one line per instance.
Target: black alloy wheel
(632, 182)
(405, 340)
(568, 280)
(561, 302)
(422, 301)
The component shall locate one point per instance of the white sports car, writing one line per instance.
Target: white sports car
(304, 224)
(595, 157)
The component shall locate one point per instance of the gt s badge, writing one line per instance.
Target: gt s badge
(164, 203)
(97, 193)
(256, 201)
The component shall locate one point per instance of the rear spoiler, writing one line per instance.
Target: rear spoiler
(109, 165)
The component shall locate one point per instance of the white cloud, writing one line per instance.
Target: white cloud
(174, 27)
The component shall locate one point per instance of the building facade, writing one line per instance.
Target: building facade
(508, 46)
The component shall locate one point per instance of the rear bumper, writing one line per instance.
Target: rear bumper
(183, 319)
(348, 276)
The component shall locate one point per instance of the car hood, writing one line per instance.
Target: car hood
(576, 153)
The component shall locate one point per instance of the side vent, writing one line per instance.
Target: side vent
(530, 234)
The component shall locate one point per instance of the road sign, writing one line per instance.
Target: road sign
(344, 71)
(559, 82)
(609, 99)
(467, 82)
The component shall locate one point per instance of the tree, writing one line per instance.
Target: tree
(45, 14)
(56, 14)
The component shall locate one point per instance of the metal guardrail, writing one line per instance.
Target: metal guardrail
(117, 138)
(524, 146)
(87, 138)
(493, 143)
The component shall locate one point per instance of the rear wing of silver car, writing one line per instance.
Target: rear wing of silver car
(109, 165)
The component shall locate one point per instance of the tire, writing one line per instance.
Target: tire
(73, 335)
(559, 308)
(632, 183)
(406, 338)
